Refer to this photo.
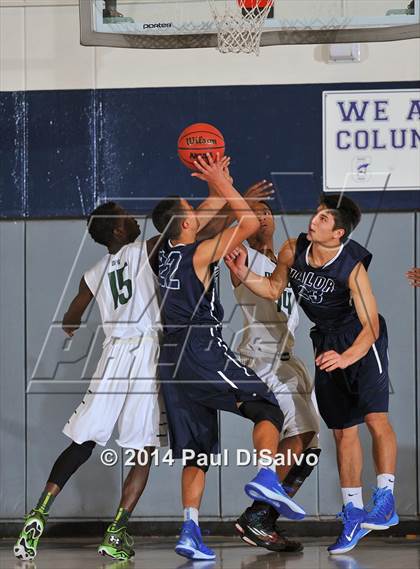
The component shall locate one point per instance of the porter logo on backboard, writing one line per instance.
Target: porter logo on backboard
(157, 25)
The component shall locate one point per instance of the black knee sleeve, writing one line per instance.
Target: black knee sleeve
(299, 472)
(193, 462)
(311, 459)
(259, 411)
(69, 461)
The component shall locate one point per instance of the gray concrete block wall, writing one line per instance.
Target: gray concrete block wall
(12, 370)
(41, 259)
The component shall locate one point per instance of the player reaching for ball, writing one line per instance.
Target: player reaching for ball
(199, 373)
(328, 274)
(267, 347)
(124, 387)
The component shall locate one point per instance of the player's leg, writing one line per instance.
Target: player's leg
(193, 427)
(117, 542)
(340, 403)
(92, 422)
(384, 444)
(257, 524)
(236, 388)
(292, 386)
(141, 426)
(293, 390)
(69, 461)
(190, 543)
(265, 435)
(235, 381)
(266, 487)
(350, 464)
(339, 407)
(384, 448)
(349, 457)
(293, 447)
(193, 483)
(300, 472)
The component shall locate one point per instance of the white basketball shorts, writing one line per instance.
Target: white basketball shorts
(293, 387)
(124, 390)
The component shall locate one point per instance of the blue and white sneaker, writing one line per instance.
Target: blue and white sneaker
(352, 533)
(190, 543)
(383, 514)
(265, 487)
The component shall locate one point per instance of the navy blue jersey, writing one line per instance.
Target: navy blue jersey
(323, 292)
(185, 302)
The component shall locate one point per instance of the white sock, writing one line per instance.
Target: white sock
(191, 514)
(265, 462)
(353, 495)
(386, 481)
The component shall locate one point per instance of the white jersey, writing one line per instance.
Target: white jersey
(126, 291)
(269, 326)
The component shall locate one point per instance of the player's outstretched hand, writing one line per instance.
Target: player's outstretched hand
(236, 262)
(413, 276)
(260, 191)
(209, 170)
(329, 361)
(227, 172)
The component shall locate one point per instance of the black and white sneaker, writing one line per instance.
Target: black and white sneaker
(256, 526)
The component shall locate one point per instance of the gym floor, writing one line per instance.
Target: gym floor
(386, 553)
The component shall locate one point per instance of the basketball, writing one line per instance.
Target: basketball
(198, 139)
(251, 4)
(257, 7)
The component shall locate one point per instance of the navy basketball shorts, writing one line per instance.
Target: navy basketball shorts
(346, 396)
(200, 375)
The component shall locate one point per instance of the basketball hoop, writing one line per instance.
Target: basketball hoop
(239, 24)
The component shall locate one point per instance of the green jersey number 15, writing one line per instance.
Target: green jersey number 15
(122, 290)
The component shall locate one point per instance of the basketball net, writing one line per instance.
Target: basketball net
(239, 24)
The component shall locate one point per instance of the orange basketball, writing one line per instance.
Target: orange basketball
(198, 139)
(250, 4)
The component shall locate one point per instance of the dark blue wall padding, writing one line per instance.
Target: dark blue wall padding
(61, 152)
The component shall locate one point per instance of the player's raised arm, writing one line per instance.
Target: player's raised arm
(260, 191)
(267, 287)
(211, 207)
(73, 317)
(212, 250)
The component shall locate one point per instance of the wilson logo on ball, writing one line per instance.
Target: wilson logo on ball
(200, 140)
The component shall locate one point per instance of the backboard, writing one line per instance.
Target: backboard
(189, 23)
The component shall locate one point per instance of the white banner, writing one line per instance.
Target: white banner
(371, 139)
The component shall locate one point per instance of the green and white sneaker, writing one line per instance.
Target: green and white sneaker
(117, 543)
(27, 543)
